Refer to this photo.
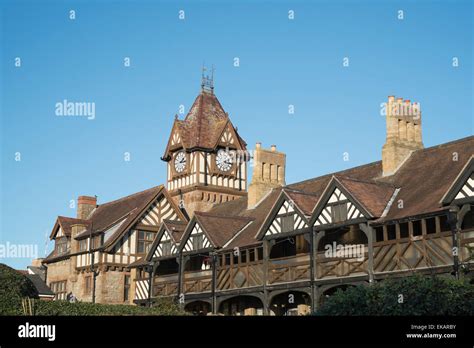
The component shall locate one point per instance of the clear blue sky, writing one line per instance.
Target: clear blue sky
(282, 62)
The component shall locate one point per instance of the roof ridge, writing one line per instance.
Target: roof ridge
(301, 192)
(71, 218)
(368, 181)
(449, 143)
(131, 195)
(237, 217)
(334, 173)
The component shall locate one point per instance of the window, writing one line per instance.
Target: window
(404, 230)
(379, 234)
(243, 256)
(417, 231)
(59, 289)
(430, 225)
(227, 259)
(339, 212)
(88, 285)
(443, 223)
(166, 247)
(259, 253)
(198, 240)
(391, 232)
(251, 255)
(145, 239)
(62, 245)
(287, 223)
(83, 245)
(126, 287)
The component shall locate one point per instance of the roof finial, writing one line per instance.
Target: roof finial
(207, 81)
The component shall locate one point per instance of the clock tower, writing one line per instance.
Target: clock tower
(206, 158)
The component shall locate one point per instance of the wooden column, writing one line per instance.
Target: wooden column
(312, 240)
(214, 282)
(317, 235)
(369, 231)
(267, 245)
(181, 263)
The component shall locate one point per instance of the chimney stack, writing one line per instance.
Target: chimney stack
(268, 173)
(403, 133)
(85, 205)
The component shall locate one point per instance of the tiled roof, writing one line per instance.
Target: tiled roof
(66, 223)
(424, 179)
(426, 176)
(372, 195)
(204, 123)
(175, 229)
(221, 229)
(304, 201)
(40, 285)
(124, 211)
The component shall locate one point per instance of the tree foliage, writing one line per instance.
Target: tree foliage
(413, 295)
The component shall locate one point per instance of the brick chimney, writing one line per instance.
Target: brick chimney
(403, 133)
(268, 173)
(85, 205)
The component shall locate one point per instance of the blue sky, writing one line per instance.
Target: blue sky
(282, 62)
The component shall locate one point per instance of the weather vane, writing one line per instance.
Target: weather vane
(207, 81)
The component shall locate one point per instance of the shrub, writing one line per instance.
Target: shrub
(161, 307)
(414, 295)
(14, 286)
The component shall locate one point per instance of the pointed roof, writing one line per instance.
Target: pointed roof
(204, 123)
(373, 196)
(66, 224)
(303, 200)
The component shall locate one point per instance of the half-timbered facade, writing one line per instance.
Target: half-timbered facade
(217, 243)
(99, 247)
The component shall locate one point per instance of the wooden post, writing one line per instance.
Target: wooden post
(317, 236)
(312, 240)
(181, 263)
(266, 255)
(214, 282)
(369, 231)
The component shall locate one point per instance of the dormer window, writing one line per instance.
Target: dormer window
(62, 245)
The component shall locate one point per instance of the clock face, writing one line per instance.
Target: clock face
(180, 162)
(224, 160)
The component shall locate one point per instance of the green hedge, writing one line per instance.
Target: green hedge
(14, 287)
(420, 295)
(164, 307)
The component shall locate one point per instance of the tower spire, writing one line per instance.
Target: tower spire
(207, 80)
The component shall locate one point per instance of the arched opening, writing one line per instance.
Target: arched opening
(165, 280)
(166, 267)
(290, 303)
(199, 262)
(345, 235)
(342, 252)
(289, 246)
(468, 221)
(331, 291)
(198, 308)
(242, 305)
